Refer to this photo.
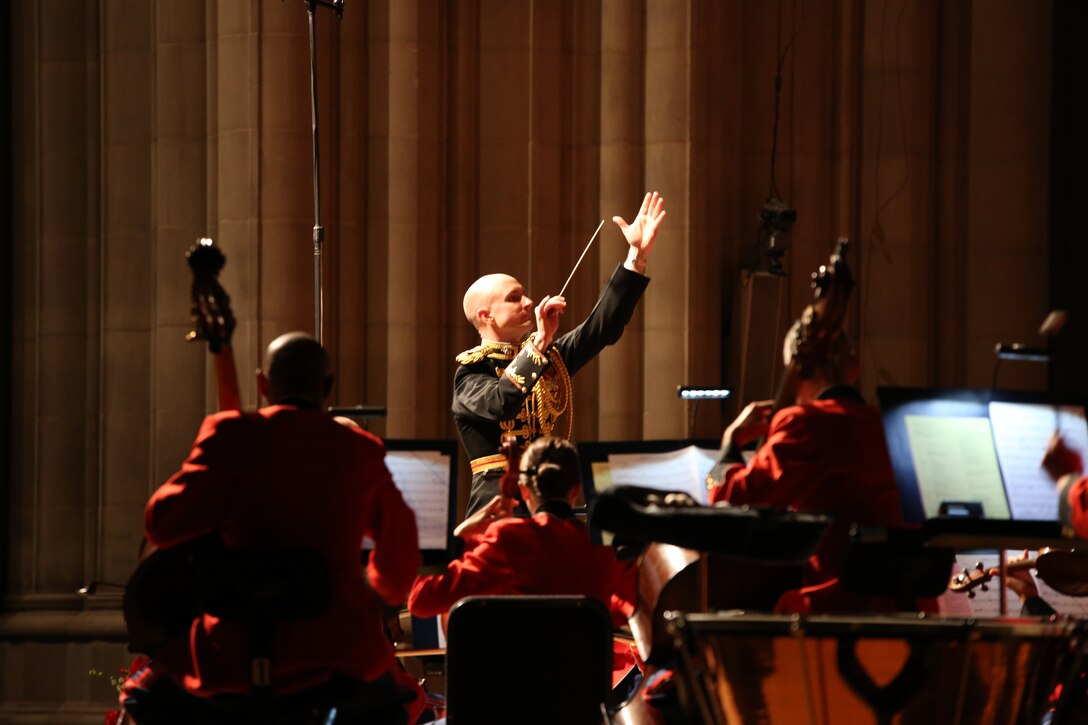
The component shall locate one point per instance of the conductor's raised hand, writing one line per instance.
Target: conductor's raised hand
(642, 231)
(547, 320)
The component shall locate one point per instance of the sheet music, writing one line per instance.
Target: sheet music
(423, 479)
(680, 470)
(954, 460)
(1021, 432)
(988, 603)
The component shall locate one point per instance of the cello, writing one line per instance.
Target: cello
(160, 600)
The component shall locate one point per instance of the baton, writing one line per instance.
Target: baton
(580, 259)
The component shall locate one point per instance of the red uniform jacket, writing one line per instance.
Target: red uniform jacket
(545, 554)
(1073, 504)
(827, 456)
(290, 477)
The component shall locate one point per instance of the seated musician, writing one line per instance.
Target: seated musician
(287, 476)
(825, 452)
(548, 553)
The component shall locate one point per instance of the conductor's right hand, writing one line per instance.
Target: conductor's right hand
(547, 320)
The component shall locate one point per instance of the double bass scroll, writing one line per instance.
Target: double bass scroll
(820, 322)
(212, 318)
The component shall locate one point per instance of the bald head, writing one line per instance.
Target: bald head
(296, 367)
(499, 309)
(483, 292)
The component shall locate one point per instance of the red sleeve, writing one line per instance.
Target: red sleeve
(624, 592)
(194, 499)
(484, 570)
(1073, 504)
(395, 557)
(778, 470)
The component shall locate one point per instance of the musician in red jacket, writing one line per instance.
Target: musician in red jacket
(287, 476)
(548, 553)
(826, 453)
(1066, 467)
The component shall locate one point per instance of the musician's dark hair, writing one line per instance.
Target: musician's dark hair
(839, 358)
(550, 466)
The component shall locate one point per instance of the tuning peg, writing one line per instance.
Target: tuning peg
(979, 566)
(971, 594)
(984, 588)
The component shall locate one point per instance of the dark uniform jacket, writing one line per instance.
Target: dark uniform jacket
(501, 387)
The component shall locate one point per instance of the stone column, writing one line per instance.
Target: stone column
(621, 189)
(55, 258)
(179, 183)
(667, 165)
(235, 123)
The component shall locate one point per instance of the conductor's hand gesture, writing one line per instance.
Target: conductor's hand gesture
(642, 231)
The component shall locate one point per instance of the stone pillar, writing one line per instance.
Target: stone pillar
(1008, 196)
(235, 123)
(621, 190)
(667, 147)
(55, 259)
(179, 183)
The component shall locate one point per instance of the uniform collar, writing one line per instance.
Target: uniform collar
(300, 402)
(504, 348)
(555, 507)
(841, 392)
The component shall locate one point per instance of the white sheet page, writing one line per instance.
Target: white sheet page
(423, 479)
(1021, 432)
(680, 470)
(954, 460)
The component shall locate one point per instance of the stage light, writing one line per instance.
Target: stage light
(1016, 351)
(692, 392)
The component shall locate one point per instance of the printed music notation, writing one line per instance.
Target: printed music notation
(995, 460)
(1021, 434)
(954, 460)
(680, 470)
(423, 479)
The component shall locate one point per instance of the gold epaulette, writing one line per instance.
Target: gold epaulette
(500, 350)
(473, 355)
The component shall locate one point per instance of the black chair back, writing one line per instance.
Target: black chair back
(540, 659)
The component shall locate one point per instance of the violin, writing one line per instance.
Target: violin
(508, 484)
(1063, 571)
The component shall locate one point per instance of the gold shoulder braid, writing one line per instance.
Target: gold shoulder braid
(551, 397)
(497, 350)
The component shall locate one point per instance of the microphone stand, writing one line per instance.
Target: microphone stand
(319, 231)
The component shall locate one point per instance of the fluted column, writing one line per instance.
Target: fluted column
(667, 143)
(621, 189)
(236, 166)
(1008, 198)
(179, 184)
(55, 257)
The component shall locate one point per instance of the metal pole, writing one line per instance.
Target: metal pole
(319, 231)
